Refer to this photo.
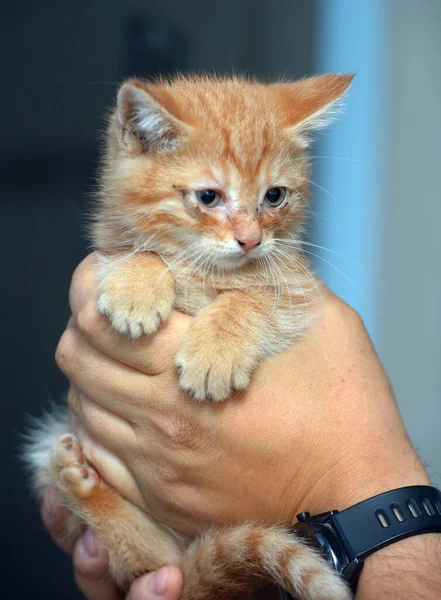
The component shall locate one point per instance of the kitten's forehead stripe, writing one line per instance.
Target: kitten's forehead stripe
(264, 148)
(235, 116)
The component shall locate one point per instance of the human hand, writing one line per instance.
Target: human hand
(90, 562)
(318, 427)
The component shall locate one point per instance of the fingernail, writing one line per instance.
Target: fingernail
(157, 582)
(51, 504)
(89, 543)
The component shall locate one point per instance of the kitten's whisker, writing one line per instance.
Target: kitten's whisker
(299, 285)
(310, 276)
(268, 271)
(288, 290)
(356, 160)
(318, 186)
(205, 265)
(276, 284)
(331, 265)
(262, 263)
(177, 261)
(307, 204)
(298, 263)
(294, 242)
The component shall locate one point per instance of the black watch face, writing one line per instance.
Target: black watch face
(322, 538)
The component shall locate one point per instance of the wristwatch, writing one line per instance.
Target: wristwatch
(345, 538)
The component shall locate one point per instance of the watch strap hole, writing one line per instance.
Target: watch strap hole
(396, 509)
(414, 509)
(381, 516)
(427, 504)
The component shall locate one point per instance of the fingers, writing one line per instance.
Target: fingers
(54, 517)
(107, 382)
(167, 584)
(91, 566)
(101, 424)
(151, 355)
(90, 561)
(109, 462)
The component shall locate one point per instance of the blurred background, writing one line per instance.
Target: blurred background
(376, 190)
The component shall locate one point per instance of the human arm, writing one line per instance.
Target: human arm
(406, 570)
(317, 429)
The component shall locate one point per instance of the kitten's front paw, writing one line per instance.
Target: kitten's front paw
(213, 365)
(135, 316)
(136, 307)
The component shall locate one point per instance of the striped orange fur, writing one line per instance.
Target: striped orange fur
(203, 193)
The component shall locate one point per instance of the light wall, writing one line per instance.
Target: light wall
(411, 238)
(350, 38)
(382, 204)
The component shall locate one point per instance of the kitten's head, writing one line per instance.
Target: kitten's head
(212, 169)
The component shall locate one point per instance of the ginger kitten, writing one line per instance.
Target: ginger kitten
(203, 192)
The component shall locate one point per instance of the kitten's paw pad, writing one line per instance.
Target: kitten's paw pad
(136, 312)
(210, 370)
(73, 474)
(67, 451)
(79, 479)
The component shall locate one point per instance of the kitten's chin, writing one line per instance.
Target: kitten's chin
(235, 262)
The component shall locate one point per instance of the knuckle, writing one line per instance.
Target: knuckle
(83, 283)
(86, 571)
(181, 431)
(345, 313)
(353, 318)
(65, 354)
(89, 321)
(82, 270)
(168, 478)
(95, 421)
(73, 399)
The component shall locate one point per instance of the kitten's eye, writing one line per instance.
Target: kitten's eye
(275, 196)
(209, 198)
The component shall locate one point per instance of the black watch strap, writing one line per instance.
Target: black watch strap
(387, 518)
(374, 524)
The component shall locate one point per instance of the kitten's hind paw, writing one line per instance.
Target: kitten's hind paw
(67, 451)
(72, 472)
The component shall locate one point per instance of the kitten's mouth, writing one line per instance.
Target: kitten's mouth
(255, 252)
(238, 260)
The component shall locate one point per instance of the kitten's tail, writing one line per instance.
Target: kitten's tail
(228, 562)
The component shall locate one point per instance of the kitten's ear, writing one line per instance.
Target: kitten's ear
(311, 104)
(144, 124)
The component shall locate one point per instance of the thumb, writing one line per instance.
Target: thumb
(165, 584)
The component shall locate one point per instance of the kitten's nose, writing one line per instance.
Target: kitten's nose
(249, 244)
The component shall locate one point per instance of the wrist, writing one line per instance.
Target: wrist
(352, 542)
(408, 569)
(366, 474)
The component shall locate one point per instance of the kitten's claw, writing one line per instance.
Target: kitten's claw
(72, 473)
(136, 316)
(67, 451)
(133, 319)
(211, 369)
